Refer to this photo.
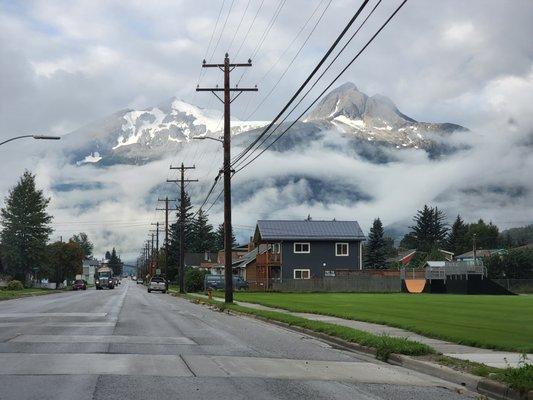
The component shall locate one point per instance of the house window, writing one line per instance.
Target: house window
(341, 249)
(275, 248)
(302, 274)
(302, 248)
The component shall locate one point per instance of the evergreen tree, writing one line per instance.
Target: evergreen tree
(174, 236)
(457, 239)
(83, 240)
(203, 237)
(376, 247)
(430, 228)
(219, 238)
(26, 228)
(107, 255)
(115, 263)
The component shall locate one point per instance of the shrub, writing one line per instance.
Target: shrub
(14, 285)
(194, 280)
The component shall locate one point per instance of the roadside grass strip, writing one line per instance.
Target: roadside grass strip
(384, 345)
(15, 294)
(493, 322)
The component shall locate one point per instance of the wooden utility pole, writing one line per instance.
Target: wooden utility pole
(181, 181)
(227, 67)
(474, 245)
(167, 209)
(155, 259)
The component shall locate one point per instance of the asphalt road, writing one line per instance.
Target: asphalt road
(128, 344)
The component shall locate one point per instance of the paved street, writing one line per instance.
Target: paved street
(128, 344)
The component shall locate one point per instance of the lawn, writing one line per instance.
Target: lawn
(13, 294)
(499, 322)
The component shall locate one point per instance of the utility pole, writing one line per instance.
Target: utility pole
(166, 210)
(156, 232)
(182, 181)
(227, 67)
(474, 236)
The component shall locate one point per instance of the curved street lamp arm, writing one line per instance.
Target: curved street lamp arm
(15, 138)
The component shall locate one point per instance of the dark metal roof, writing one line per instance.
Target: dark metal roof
(309, 230)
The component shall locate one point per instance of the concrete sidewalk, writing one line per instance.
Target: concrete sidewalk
(493, 358)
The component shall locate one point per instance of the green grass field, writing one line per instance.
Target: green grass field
(498, 322)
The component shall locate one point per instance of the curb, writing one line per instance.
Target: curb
(484, 386)
(501, 391)
(439, 371)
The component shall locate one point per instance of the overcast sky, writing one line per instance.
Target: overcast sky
(66, 63)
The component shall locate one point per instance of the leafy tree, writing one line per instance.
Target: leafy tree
(376, 251)
(521, 235)
(203, 237)
(430, 228)
(458, 237)
(487, 235)
(219, 238)
(115, 263)
(26, 228)
(64, 261)
(513, 264)
(83, 240)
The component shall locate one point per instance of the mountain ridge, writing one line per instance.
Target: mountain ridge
(139, 136)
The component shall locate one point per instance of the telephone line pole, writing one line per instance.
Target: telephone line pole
(182, 182)
(166, 210)
(226, 68)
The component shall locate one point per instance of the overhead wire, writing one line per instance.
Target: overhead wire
(304, 84)
(328, 86)
(314, 84)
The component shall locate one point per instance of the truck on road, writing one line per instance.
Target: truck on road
(103, 278)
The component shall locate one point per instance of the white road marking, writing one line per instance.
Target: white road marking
(102, 339)
(92, 364)
(59, 324)
(53, 314)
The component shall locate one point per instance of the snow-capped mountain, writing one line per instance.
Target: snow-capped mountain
(375, 118)
(139, 136)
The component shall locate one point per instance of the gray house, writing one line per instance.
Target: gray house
(306, 249)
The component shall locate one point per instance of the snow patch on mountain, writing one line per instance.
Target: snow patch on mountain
(90, 159)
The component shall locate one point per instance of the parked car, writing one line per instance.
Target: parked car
(217, 282)
(139, 281)
(158, 284)
(79, 284)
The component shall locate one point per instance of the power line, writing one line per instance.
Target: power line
(239, 25)
(249, 29)
(327, 87)
(293, 58)
(222, 30)
(313, 85)
(307, 80)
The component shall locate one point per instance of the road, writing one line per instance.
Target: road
(128, 344)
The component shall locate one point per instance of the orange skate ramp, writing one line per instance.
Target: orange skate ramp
(415, 285)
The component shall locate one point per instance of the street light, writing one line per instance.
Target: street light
(37, 137)
(207, 137)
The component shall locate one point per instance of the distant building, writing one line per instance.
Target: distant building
(468, 257)
(89, 268)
